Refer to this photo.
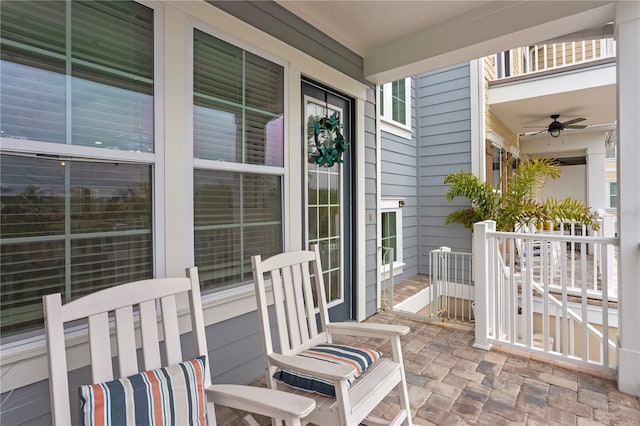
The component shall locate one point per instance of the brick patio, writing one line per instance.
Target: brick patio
(452, 383)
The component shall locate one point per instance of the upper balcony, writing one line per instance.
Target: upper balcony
(539, 60)
(526, 85)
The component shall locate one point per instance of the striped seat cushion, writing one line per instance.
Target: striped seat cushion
(172, 395)
(360, 358)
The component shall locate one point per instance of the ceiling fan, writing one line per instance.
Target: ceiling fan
(555, 127)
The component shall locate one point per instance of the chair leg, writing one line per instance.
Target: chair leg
(403, 394)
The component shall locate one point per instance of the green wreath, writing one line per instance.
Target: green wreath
(330, 143)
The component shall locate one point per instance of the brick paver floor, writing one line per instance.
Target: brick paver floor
(452, 383)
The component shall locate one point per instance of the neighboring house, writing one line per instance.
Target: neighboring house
(441, 106)
(140, 138)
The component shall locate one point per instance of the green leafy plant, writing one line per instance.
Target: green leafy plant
(329, 142)
(518, 204)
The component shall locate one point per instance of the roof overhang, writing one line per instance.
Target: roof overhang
(397, 39)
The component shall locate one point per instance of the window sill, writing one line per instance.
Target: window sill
(396, 129)
(25, 361)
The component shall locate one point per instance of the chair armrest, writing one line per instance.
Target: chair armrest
(266, 402)
(313, 367)
(367, 329)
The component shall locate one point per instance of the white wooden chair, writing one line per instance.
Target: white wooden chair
(147, 295)
(298, 331)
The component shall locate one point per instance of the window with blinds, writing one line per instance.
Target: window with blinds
(238, 109)
(78, 73)
(73, 73)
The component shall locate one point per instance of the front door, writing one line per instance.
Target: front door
(327, 195)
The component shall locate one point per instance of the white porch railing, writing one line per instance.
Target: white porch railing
(447, 296)
(452, 292)
(538, 293)
(546, 57)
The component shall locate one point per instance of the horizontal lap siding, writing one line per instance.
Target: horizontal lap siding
(398, 180)
(444, 146)
(371, 205)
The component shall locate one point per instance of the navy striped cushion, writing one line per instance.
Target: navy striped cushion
(360, 358)
(172, 395)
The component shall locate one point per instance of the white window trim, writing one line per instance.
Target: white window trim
(387, 124)
(23, 361)
(393, 205)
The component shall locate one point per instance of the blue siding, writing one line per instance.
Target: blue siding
(371, 203)
(444, 146)
(399, 173)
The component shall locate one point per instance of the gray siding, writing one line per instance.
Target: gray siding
(277, 21)
(444, 145)
(370, 204)
(399, 175)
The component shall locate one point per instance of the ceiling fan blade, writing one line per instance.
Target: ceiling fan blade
(575, 120)
(573, 126)
(534, 133)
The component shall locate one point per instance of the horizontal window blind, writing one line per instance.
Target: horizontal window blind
(39, 24)
(238, 104)
(236, 216)
(238, 117)
(32, 97)
(72, 227)
(109, 99)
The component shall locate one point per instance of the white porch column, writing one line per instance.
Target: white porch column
(628, 70)
(596, 186)
(481, 271)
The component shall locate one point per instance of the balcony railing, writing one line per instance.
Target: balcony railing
(549, 57)
(547, 293)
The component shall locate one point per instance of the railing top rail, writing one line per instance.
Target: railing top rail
(555, 237)
(465, 253)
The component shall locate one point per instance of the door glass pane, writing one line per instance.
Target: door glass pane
(324, 193)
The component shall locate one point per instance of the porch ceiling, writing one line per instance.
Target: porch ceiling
(402, 38)
(525, 104)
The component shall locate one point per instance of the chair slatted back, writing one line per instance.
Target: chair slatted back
(122, 300)
(291, 284)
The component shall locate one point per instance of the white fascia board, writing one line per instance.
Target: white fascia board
(562, 82)
(498, 26)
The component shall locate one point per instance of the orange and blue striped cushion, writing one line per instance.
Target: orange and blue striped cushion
(172, 395)
(360, 358)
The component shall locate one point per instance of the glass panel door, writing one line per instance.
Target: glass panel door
(327, 207)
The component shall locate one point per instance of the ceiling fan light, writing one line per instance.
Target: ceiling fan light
(554, 132)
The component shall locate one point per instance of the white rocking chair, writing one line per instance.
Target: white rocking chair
(148, 295)
(299, 336)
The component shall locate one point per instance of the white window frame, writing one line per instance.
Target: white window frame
(24, 360)
(393, 205)
(387, 123)
(243, 290)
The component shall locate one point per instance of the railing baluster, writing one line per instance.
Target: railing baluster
(565, 315)
(605, 308)
(585, 319)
